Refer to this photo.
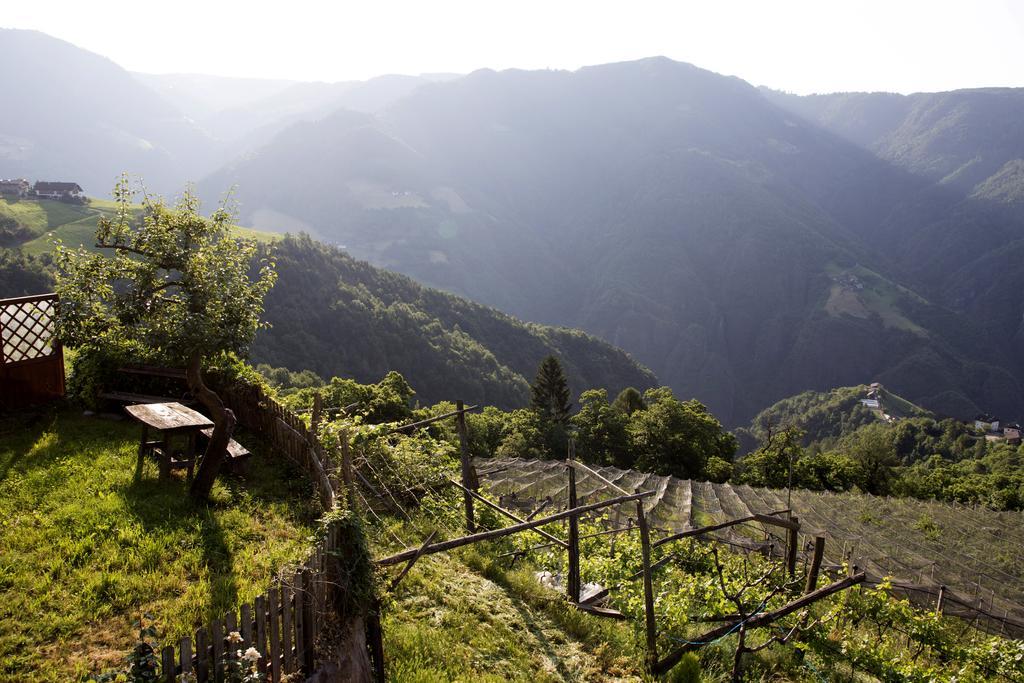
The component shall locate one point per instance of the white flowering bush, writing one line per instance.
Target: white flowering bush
(240, 666)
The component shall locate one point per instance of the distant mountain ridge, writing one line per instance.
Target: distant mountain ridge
(743, 245)
(679, 214)
(70, 114)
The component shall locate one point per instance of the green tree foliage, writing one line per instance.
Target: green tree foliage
(629, 401)
(828, 471)
(286, 382)
(872, 448)
(819, 414)
(337, 316)
(812, 468)
(771, 464)
(22, 275)
(176, 283)
(677, 437)
(386, 401)
(549, 393)
(601, 430)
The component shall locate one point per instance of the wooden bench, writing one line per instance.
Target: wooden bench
(237, 456)
(149, 371)
(128, 397)
(153, 371)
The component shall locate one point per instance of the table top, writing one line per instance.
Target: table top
(168, 416)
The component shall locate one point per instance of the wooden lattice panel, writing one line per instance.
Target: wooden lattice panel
(26, 328)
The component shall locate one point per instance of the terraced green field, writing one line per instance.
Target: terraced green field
(920, 545)
(73, 224)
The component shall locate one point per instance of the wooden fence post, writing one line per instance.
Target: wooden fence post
(167, 668)
(185, 655)
(468, 480)
(260, 634)
(375, 638)
(649, 622)
(202, 655)
(572, 584)
(318, 413)
(792, 539)
(287, 627)
(812, 573)
(346, 470)
(308, 627)
(942, 599)
(299, 591)
(274, 650)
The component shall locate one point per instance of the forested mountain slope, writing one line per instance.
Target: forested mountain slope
(338, 316)
(741, 252)
(971, 144)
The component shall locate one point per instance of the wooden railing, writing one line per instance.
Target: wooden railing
(283, 431)
(283, 625)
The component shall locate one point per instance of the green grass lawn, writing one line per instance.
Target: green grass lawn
(75, 224)
(466, 617)
(39, 215)
(85, 549)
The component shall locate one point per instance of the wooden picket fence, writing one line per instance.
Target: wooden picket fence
(283, 625)
(281, 429)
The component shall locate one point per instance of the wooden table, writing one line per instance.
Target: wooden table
(171, 419)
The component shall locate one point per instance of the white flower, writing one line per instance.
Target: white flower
(250, 655)
(234, 637)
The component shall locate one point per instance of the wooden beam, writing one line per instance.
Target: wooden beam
(497, 508)
(812, 573)
(317, 415)
(572, 584)
(347, 475)
(580, 466)
(411, 562)
(792, 541)
(649, 622)
(540, 507)
(468, 479)
(606, 532)
(600, 611)
(758, 620)
(431, 420)
(507, 531)
(764, 519)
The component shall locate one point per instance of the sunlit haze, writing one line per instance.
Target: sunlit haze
(802, 47)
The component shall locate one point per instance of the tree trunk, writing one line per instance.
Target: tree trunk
(223, 427)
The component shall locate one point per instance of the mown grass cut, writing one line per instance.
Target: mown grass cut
(85, 549)
(465, 618)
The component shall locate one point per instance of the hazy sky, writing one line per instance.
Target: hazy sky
(800, 46)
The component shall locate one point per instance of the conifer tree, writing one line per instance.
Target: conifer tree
(549, 393)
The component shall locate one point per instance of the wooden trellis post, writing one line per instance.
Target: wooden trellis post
(812, 573)
(346, 470)
(318, 412)
(573, 580)
(649, 622)
(793, 537)
(468, 480)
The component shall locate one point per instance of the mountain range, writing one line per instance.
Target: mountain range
(744, 244)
